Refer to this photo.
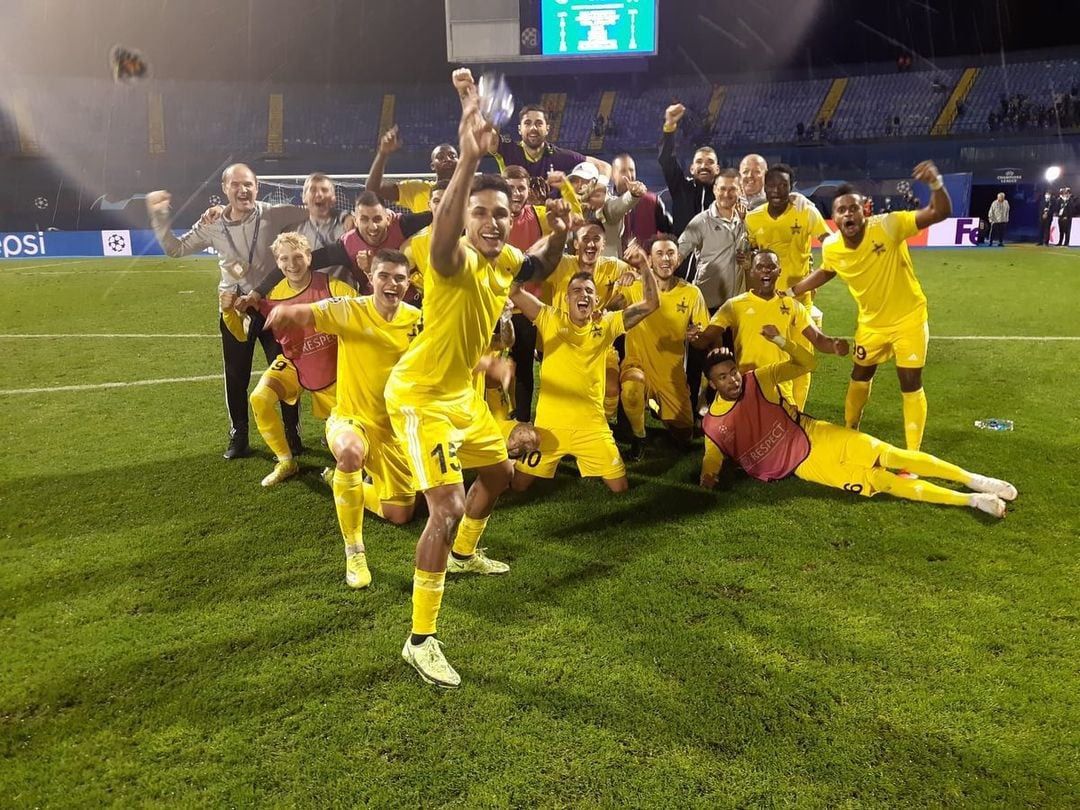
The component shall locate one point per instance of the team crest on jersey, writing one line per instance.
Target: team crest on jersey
(682, 306)
(796, 228)
(878, 248)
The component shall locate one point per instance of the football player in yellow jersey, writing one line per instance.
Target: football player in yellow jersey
(609, 276)
(418, 248)
(871, 256)
(372, 332)
(750, 421)
(430, 396)
(787, 224)
(413, 194)
(654, 365)
(282, 381)
(570, 417)
(746, 314)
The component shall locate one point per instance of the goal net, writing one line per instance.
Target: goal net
(289, 188)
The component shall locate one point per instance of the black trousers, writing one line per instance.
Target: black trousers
(238, 357)
(999, 229)
(523, 353)
(1064, 230)
(1044, 231)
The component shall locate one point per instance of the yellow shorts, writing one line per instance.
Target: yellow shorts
(907, 342)
(282, 378)
(384, 460)
(840, 457)
(445, 436)
(594, 449)
(672, 392)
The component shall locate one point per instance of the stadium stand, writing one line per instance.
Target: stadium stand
(1029, 91)
(892, 105)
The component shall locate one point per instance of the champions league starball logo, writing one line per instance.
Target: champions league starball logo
(903, 187)
(41, 203)
(116, 243)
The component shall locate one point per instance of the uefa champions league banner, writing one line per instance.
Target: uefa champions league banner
(953, 232)
(81, 244)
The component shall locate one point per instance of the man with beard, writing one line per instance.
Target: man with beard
(690, 194)
(430, 394)
(242, 238)
(412, 194)
(649, 217)
(871, 255)
(656, 350)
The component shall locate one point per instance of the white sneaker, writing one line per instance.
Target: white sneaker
(428, 660)
(478, 563)
(989, 503)
(995, 486)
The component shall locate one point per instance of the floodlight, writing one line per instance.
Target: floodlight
(1052, 174)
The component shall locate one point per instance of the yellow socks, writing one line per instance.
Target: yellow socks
(914, 418)
(426, 598)
(349, 502)
(924, 464)
(468, 536)
(611, 405)
(372, 502)
(633, 403)
(916, 490)
(857, 395)
(264, 403)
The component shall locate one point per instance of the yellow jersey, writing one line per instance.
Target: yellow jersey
(234, 321)
(745, 315)
(415, 195)
(605, 275)
(418, 252)
(879, 272)
(368, 347)
(790, 236)
(460, 312)
(572, 374)
(658, 344)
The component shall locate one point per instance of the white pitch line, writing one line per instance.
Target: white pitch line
(1005, 337)
(103, 335)
(109, 385)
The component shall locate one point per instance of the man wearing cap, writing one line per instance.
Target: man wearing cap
(598, 206)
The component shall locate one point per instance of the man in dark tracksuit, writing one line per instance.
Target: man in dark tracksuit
(690, 194)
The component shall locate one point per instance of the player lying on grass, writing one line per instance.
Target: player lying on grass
(750, 423)
(371, 334)
(570, 416)
(871, 255)
(308, 360)
(430, 394)
(746, 314)
(654, 365)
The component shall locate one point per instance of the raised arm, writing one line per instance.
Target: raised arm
(940, 207)
(636, 313)
(825, 344)
(669, 164)
(157, 206)
(811, 282)
(524, 300)
(290, 316)
(447, 254)
(801, 362)
(547, 252)
(388, 144)
(602, 166)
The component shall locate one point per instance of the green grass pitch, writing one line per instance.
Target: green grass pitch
(171, 634)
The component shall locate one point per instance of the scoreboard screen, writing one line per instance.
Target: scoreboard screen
(597, 27)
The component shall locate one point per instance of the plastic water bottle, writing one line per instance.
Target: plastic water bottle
(994, 424)
(496, 99)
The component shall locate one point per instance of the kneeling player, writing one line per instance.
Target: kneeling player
(570, 416)
(308, 360)
(770, 439)
(746, 314)
(654, 366)
(372, 334)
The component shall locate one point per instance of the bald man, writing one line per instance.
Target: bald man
(241, 236)
(752, 170)
(413, 194)
(649, 217)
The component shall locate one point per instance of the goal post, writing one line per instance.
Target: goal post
(289, 188)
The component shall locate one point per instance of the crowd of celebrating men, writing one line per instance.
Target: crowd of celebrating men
(417, 334)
